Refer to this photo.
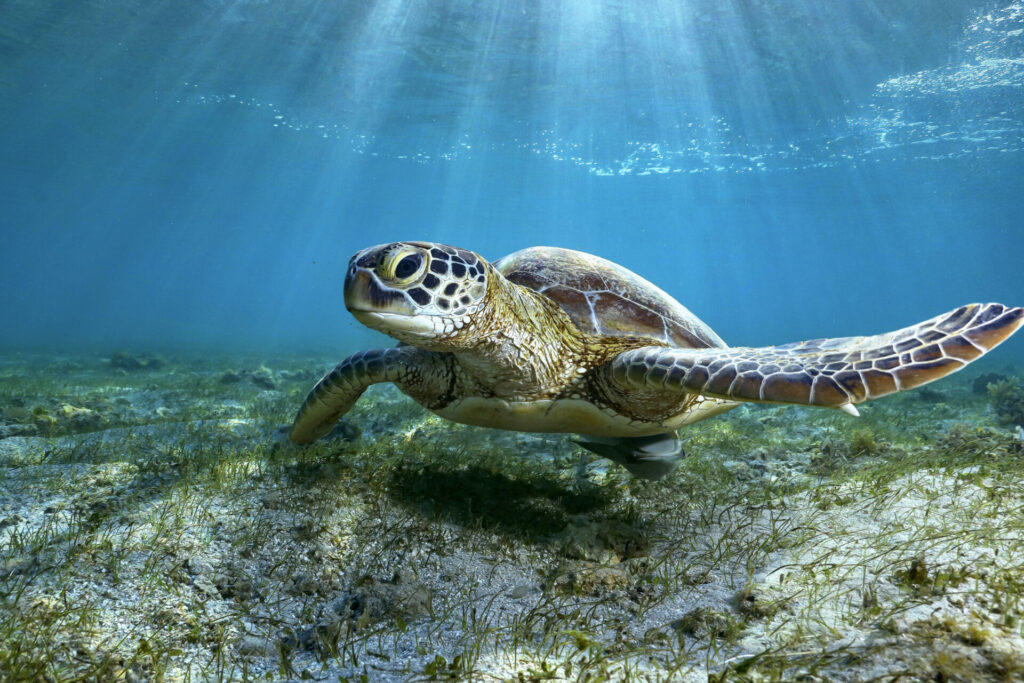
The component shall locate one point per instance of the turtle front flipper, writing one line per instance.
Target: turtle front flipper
(824, 372)
(335, 394)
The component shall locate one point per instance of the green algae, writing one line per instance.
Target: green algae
(1007, 400)
(194, 543)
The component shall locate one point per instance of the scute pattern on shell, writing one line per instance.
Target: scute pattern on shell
(604, 298)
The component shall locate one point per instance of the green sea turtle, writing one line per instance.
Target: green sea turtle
(554, 340)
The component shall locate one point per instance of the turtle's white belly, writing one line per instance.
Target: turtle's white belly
(568, 416)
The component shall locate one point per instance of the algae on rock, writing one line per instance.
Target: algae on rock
(1006, 397)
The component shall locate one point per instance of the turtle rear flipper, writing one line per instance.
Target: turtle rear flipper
(824, 372)
(646, 457)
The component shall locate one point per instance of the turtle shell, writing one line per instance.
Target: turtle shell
(604, 298)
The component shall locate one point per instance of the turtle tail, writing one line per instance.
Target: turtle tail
(835, 373)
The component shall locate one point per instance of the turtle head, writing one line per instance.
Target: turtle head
(420, 293)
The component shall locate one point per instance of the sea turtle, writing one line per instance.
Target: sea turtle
(555, 340)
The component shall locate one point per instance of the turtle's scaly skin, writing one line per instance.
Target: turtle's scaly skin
(824, 372)
(336, 393)
(555, 340)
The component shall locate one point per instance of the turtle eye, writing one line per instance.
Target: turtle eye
(402, 266)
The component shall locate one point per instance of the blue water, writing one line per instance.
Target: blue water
(196, 175)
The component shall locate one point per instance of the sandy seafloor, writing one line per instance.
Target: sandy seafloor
(154, 525)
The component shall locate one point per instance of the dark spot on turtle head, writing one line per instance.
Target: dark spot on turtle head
(479, 278)
(431, 282)
(366, 260)
(450, 289)
(439, 254)
(439, 267)
(380, 297)
(465, 300)
(458, 269)
(443, 303)
(420, 296)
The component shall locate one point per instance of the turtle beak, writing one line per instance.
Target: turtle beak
(361, 292)
(365, 293)
(384, 309)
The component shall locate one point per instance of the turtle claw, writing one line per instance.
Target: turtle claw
(646, 457)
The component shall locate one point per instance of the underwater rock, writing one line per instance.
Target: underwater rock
(1007, 400)
(517, 592)
(17, 413)
(302, 583)
(122, 360)
(18, 430)
(599, 581)
(760, 601)
(204, 584)
(345, 430)
(981, 382)
(603, 541)
(79, 419)
(372, 601)
(42, 419)
(263, 378)
(67, 418)
(703, 622)
(202, 576)
(300, 375)
(256, 646)
(320, 638)
(916, 573)
(233, 582)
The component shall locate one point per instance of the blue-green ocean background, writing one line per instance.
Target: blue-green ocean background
(180, 175)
